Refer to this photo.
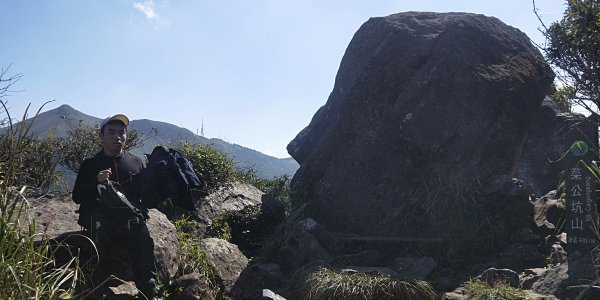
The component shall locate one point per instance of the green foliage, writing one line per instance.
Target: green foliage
(214, 168)
(277, 188)
(81, 142)
(565, 96)
(35, 163)
(573, 45)
(27, 269)
(220, 228)
(193, 259)
(84, 141)
(478, 290)
(328, 284)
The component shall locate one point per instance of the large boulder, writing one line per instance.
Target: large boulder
(54, 215)
(166, 245)
(227, 260)
(236, 198)
(433, 120)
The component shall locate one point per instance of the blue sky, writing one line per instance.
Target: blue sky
(254, 71)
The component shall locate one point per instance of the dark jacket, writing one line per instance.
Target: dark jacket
(168, 174)
(123, 168)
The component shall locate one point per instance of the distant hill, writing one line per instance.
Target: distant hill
(61, 119)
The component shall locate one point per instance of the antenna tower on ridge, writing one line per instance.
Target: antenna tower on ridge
(202, 128)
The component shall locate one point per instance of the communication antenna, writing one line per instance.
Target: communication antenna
(202, 128)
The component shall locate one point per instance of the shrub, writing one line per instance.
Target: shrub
(479, 290)
(35, 163)
(214, 168)
(329, 284)
(277, 188)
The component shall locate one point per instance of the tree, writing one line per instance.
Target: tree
(6, 82)
(573, 46)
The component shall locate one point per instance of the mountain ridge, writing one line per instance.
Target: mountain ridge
(63, 118)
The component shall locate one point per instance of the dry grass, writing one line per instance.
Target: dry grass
(326, 283)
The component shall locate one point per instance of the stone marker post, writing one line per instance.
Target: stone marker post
(580, 194)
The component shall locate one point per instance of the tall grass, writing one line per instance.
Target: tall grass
(27, 267)
(326, 283)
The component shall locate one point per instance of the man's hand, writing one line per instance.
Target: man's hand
(103, 175)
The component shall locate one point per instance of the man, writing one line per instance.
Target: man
(118, 166)
(111, 163)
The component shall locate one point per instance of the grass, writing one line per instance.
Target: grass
(447, 205)
(193, 259)
(327, 283)
(27, 269)
(479, 290)
(220, 228)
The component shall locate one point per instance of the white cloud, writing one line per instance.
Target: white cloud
(147, 8)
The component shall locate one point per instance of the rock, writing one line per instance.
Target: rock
(126, 290)
(57, 219)
(538, 164)
(430, 119)
(565, 280)
(307, 242)
(166, 245)
(55, 216)
(492, 276)
(192, 286)
(536, 296)
(530, 276)
(251, 232)
(552, 281)
(521, 255)
(255, 278)
(558, 255)
(130, 259)
(237, 198)
(455, 295)
(413, 267)
(251, 215)
(226, 259)
(158, 245)
(547, 211)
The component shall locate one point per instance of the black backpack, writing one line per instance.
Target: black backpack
(168, 174)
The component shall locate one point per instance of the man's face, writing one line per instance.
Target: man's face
(113, 138)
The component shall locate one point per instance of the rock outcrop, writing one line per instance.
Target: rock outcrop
(436, 128)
